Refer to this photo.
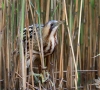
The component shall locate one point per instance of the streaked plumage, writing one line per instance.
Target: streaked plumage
(49, 37)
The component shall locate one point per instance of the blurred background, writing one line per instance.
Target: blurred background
(75, 63)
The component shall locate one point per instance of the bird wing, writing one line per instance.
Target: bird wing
(33, 30)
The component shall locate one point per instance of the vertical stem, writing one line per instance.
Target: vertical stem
(61, 53)
(30, 44)
(42, 13)
(91, 33)
(0, 41)
(78, 42)
(21, 46)
(76, 75)
(99, 41)
(70, 28)
(47, 11)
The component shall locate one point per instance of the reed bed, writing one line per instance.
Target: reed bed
(74, 64)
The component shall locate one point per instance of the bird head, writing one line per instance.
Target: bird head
(50, 28)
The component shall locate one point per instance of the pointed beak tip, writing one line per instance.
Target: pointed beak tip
(61, 22)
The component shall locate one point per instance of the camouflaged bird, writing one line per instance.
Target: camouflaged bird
(49, 37)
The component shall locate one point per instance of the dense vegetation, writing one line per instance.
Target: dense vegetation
(75, 62)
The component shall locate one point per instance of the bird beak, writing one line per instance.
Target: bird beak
(59, 23)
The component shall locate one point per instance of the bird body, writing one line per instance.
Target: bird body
(49, 37)
(50, 45)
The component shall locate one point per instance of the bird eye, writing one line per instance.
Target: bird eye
(51, 24)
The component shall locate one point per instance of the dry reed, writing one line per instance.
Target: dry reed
(75, 62)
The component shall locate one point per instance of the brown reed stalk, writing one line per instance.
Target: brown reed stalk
(47, 11)
(85, 44)
(0, 43)
(3, 47)
(42, 9)
(55, 4)
(30, 46)
(0, 15)
(4, 68)
(22, 71)
(91, 34)
(99, 39)
(96, 61)
(76, 75)
(89, 68)
(75, 25)
(7, 47)
(95, 37)
(78, 42)
(70, 66)
(0, 66)
(61, 52)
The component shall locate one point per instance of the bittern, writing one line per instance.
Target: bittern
(49, 37)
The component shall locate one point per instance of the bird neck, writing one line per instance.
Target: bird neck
(45, 33)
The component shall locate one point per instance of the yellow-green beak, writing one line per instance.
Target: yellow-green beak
(59, 23)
